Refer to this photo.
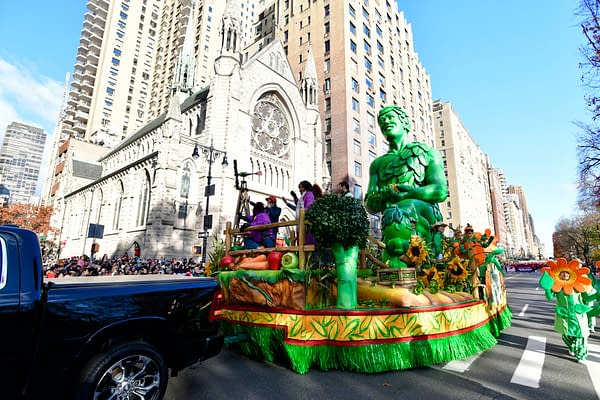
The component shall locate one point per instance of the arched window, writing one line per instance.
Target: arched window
(144, 201)
(184, 191)
(100, 203)
(270, 126)
(118, 205)
(84, 211)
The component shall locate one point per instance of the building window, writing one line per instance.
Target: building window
(356, 128)
(370, 100)
(372, 156)
(369, 83)
(368, 64)
(327, 85)
(327, 125)
(144, 202)
(328, 146)
(326, 65)
(367, 47)
(118, 205)
(371, 120)
(357, 147)
(351, 10)
(382, 96)
(326, 10)
(326, 27)
(357, 168)
(357, 192)
(327, 46)
(372, 139)
(352, 46)
(327, 103)
(355, 104)
(354, 85)
(366, 31)
(352, 28)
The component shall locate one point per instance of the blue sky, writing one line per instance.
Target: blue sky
(509, 68)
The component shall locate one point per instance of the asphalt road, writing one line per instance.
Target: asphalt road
(528, 354)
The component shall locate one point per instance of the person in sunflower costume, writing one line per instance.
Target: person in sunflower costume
(568, 283)
(405, 184)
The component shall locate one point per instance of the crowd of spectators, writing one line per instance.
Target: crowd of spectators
(123, 265)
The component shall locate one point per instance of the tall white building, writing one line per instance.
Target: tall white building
(466, 169)
(110, 89)
(20, 161)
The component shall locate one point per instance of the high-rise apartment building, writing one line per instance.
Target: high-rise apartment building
(466, 169)
(206, 43)
(110, 90)
(20, 160)
(365, 59)
(531, 247)
(498, 191)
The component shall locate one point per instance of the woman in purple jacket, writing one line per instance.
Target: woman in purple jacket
(264, 238)
(307, 198)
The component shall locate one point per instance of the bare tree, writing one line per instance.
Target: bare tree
(588, 148)
(580, 235)
(589, 10)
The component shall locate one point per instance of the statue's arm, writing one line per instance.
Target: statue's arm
(372, 198)
(435, 187)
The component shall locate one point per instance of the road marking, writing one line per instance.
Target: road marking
(593, 366)
(460, 365)
(529, 370)
(537, 288)
(522, 313)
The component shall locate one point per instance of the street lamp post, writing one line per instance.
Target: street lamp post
(211, 154)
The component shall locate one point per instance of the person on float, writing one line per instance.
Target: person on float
(255, 239)
(306, 199)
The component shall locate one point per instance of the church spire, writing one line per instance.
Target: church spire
(231, 30)
(185, 71)
(308, 86)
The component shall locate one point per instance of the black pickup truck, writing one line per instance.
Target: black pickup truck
(91, 338)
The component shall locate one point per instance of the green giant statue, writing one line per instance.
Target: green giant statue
(405, 184)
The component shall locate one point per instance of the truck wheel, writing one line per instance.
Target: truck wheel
(133, 371)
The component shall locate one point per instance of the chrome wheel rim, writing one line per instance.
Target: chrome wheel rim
(135, 377)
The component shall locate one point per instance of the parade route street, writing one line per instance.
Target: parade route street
(529, 362)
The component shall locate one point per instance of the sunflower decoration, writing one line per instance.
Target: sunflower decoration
(457, 271)
(417, 251)
(565, 276)
(429, 276)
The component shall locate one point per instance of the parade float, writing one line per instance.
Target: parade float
(418, 297)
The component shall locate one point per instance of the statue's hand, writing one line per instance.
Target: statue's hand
(399, 192)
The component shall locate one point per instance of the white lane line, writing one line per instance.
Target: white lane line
(593, 366)
(529, 370)
(460, 365)
(522, 313)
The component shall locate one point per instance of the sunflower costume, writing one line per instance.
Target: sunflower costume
(568, 282)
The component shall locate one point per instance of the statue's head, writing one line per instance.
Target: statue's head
(393, 121)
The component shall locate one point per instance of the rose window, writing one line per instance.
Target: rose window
(270, 128)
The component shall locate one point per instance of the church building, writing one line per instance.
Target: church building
(150, 191)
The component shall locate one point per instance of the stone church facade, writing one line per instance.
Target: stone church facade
(151, 191)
